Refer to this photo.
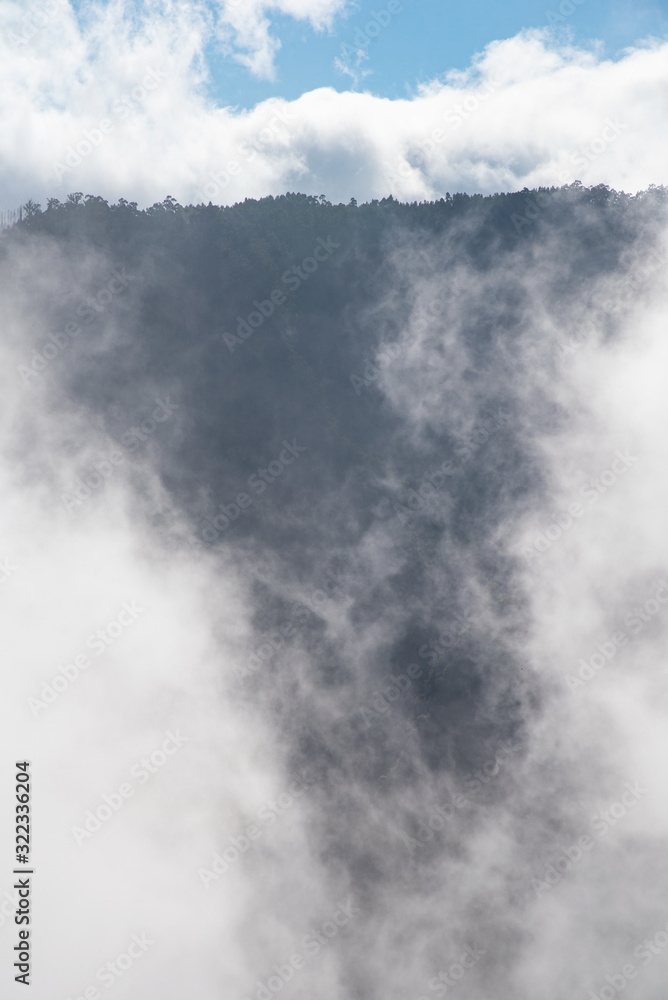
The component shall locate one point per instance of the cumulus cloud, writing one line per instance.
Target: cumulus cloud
(112, 105)
(244, 28)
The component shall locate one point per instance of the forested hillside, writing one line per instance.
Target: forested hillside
(363, 412)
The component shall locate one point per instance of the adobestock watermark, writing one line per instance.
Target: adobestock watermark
(36, 19)
(7, 569)
(113, 801)
(459, 113)
(292, 279)
(87, 311)
(318, 598)
(592, 491)
(111, 972)
(616, 983)
(103, 468)
(98, 641)
(272, 641)
(646, 951)
(421, 500)
(276, 638)
(258, 483)
(448, 638)
(455, 116)
(371, 370)
(93, 138)
(641, 615)
(352, 55)
(443, 982)
(218, 180)
(583, 156)
(565, 9)
(625, 290)
(461, 624)
(534, 205)
(536, 202)
(381, 701)
(267, 815)
(425, 313)
(637, 619)
(601, 824)
(312, 944)
(473, 782)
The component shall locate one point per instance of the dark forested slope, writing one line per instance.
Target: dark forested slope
(341, 401)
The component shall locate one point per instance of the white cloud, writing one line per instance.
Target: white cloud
(526, 113)
(245, 26)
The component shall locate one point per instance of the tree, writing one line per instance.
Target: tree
(31, 209)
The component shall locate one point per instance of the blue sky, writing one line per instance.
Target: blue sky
(422, 41)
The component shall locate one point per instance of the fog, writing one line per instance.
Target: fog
(397, 729)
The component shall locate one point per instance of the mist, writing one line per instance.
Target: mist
(372, 597)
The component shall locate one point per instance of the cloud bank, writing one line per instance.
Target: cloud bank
(118, 103)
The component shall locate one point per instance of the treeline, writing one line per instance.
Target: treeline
(93, 209)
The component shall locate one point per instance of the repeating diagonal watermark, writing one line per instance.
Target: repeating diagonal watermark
(93, 138)
(636, 620)
(218, 180)
(109, 973)
(625, 290)
(61, 339)
(276, 638)
(36, 19)
(371, 370)
(351, 56)
(7, 569)
(312, 944)
(646, 951)
(422, 499)
(113, 801)
(104, 467)
(455, 116)
(267, 815)
(592, 491)
(292, 279)
(447, 980)
(583, 156)
(565, 9)
(257, 483)
(474, 781)
(98, 641)
(381, 701)
(601, 824)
